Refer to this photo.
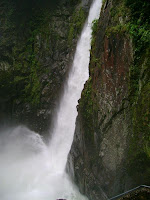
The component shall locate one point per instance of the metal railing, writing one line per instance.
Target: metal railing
(125, 193)
(129, 191)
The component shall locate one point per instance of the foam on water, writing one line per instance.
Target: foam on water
(32, 170)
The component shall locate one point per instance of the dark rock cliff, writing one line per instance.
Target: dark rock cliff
(110, 153)
(37, 43)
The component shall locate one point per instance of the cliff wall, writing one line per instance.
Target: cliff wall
(110, 153)
(37, 43)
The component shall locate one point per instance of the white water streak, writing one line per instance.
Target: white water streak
(30, 170)
(64, 127)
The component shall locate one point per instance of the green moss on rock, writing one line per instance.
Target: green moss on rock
(89, 110)
(76, 25)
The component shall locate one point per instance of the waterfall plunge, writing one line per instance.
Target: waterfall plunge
(30, 170)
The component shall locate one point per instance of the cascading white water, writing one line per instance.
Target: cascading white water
(30, 170)
(66, 115)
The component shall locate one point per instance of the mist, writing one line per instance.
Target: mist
(27, 170)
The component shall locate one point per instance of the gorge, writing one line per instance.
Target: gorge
(41, 79)
(32, 170)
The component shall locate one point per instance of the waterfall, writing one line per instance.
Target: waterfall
(32, 170)
(66, 115)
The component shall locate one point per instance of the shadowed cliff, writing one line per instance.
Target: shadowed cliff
(37, 43)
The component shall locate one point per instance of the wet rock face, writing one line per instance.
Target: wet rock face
(99, 154)
(109, 153)
(99, 158)
(111, 79)
(54, 56)
(40, 54)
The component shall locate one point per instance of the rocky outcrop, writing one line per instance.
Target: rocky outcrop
(103, 155)
(36, 57)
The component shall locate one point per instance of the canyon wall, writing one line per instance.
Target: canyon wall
(37, 44)
(110, 153)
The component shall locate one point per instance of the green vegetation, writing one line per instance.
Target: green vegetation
(94, 26)
(86, 106)
(95, 61)
(94, 30)
(26, 75)
(139, 30)
(77, 22)
(132, 18)
(118, 29)
(119, 12)
(119, 21)
(89, 109)
(139, 152)
(129, 19)
(34, 38)
(139, 10)
(20, 76)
